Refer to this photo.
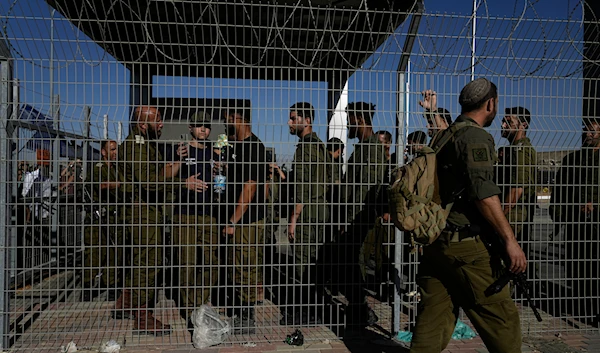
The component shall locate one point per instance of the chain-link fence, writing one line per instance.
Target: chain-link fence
(123, 119)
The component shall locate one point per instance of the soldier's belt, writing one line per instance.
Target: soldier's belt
(458, 236)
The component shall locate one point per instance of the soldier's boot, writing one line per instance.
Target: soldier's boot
(122, 309)
(244, 322)
(147, 324)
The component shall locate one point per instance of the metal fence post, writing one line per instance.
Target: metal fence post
(5, 214)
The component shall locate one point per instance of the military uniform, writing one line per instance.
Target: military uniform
(247, 161)
(195, 232)
(517, 168)
(103, 236)
(360, 194)
(141, 171)
(456, 269)
(309, 178)
(310, 184)
(578, 183)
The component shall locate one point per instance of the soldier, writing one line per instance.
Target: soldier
(385, 137)
(195, 230)
(247, 171)
(103, 239)
(415, 141)
(517, 173)
(143, 178)
(306, 221)
(456, 268)
(438, 119)
(575, 205)
(335, 148)
(360, 194)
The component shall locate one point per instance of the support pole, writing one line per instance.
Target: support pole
(5, 197)
(401, 124)
(474, 31)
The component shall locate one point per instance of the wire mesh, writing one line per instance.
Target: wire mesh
(76, 74)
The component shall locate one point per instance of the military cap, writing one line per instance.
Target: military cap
(519, 112)
(201, 118)
(474, 92)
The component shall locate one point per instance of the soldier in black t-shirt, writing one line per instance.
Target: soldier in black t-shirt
(195, 229)
(247, 171)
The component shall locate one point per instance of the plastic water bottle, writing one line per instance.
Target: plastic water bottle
(219, 183)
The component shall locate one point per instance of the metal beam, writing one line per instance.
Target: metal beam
(5, 198)
(49, 130)
(400, 146)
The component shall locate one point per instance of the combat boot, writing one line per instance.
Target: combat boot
(244, 322)
(147, 324)
(122, 308)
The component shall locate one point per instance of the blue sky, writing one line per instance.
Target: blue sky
(538, 50)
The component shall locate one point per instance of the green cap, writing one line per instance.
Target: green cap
(200, 118)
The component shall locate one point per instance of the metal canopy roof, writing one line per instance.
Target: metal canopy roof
(234, 39)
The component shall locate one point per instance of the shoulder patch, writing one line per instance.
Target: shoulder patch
(99, 164)
(480, 154)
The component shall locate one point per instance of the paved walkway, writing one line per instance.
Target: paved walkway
(89, 325)
(572, 343)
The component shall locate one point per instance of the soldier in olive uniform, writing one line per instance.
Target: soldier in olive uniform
(517, 169)
(361, 196)
(575, 205)
(306, 221)
(195, 230)
(456, 268)
(143, 180)
(103, 237)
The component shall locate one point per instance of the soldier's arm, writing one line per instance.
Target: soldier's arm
(302, 174)
(110, 185)
(491, 210)
(525, 176)
(476, 150)
(558, 198)
(106, 182)
(149, 173)
(246, 196)
(511, 199)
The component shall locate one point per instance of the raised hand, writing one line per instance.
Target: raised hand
(429, 101)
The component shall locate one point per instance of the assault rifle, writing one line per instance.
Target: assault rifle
(520, 281)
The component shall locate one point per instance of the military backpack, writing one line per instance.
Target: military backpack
(414, 199)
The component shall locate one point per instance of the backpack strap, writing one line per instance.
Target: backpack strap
(446, 136)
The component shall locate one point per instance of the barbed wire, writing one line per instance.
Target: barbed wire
(441, 46)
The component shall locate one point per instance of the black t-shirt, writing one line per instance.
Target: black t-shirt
(197, 163)
(247, 160)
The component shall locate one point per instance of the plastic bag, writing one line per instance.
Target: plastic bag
(209, 329)
(110, 347)
(463, 332)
